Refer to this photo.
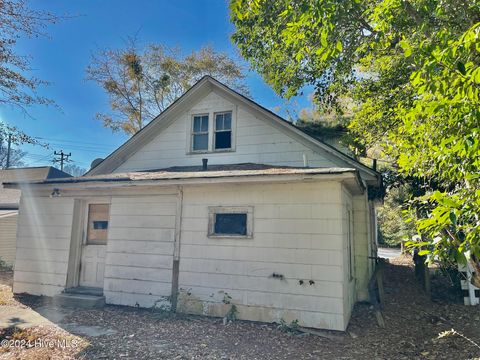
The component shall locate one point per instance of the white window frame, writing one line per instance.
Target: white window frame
(211, 130)
(215, 131)
(192, 134)
(213, 210)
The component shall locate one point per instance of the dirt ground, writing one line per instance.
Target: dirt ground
(413, 323)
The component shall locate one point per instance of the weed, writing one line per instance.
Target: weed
(291, 328)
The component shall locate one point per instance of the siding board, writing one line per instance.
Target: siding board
(8, 234)
(296, 233)
(139, 259)
(43, 238)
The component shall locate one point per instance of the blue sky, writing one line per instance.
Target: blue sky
(62, 58)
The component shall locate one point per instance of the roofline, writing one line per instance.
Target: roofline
(49, 167)
(28, 167)
(270, 114)
(247, 178)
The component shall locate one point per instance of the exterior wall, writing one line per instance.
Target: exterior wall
(349, 296)
(373, 236)
(362, 241)
(297, 233)
(8, 237)
(138, 268)
(43, 239)
(256, 142)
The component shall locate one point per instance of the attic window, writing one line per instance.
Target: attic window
(230, 222)
(200, 133)
(223, 131)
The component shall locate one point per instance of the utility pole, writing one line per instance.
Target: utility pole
(9, 148)
(62, 158)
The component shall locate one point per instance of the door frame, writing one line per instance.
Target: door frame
(79, 236)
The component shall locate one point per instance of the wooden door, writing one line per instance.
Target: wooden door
(94, 248)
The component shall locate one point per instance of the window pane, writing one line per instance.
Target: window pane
(100, 225)
(197, 120)
(223, 140)
(204, 123)
(200, 142)
(231, 224)
(219, 122)
(227, 122)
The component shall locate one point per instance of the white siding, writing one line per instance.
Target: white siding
(256, 142)
(138, 269)
(361, 240)
(297, 233)
(43, 240)
(8, 237)
(349, 297)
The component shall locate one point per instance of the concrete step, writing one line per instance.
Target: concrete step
(85, 290)
(82, 301)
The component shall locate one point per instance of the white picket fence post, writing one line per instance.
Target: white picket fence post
(471, 293)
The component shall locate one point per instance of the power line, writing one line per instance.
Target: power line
(71, 141)
(46, 157)
(62, 158)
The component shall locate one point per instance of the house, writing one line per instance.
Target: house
(217, 202)
(9, 202)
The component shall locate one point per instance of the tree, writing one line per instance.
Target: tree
(16, 156)
(17, 88)
(142, 83)
(16, 138)
(392, 225)
(412, 67)
(74, 170)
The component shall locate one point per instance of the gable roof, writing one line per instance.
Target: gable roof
(10, 198)
(195, 93)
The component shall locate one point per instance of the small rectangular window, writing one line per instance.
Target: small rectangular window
(223, 131)
(100, 225)
(97, 231)
(230, 222)
(200, 133)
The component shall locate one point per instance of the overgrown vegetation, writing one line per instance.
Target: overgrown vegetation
(4, 266)
(292, 328)
(391, 219)
(232, 312)
(411, 68)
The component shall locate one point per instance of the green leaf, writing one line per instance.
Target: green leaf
(461, 67)
(407, 49)
(453, 218)
(339, 46)
(323, 39)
